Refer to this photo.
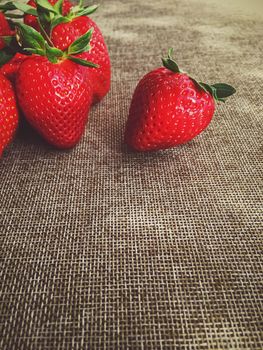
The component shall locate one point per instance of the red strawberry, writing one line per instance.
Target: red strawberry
(170, 108)
(10, 69)
(65, 33)
(52, 92)
(55, 99)
(31, 20)
(8, 113)
(4, 30)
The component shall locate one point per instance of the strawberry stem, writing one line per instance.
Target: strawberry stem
(33, 42)
(170, 63)
(44, 33)
(219, 91)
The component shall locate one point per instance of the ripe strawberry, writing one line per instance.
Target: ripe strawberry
(64, 34)
(52, 92)
(8, 113)
(5, 29)
(9, 69)
(31, 20)
(55, 99)
(170, 108)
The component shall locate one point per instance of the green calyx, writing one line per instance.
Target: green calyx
(170, 63)
(48, 15)
(53, 15)
(29, 41)
(34, 43)
(16, 5)
(219, 91)
(78, 11)
(81, 10)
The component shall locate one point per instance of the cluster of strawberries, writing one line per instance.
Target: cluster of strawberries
(55, 65)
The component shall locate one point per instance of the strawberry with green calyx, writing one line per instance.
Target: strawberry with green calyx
(52, 92)
(59, 9)
(8, 113)
(33, 42)
(10, 56)
(219, 91)
(68, 28)
(61, 30)
(29, 11)
(170, 108)
(9, 50)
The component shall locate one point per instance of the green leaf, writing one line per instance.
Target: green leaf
(81, 44)
(208, 88)
(5, 57)
(83, 62)
(13, 15)
(197, 83)
(29, 37)
(40, 52)
(9, 6)
(170, 52)
(29, 10)
(59, 6)
(58, 20)
(44, 18)
(75, 9)
(53, 51)
(88, 10)
(16, 5)
(219, 91)
(44, 4)
(52, 59)
(223, 90)
(170, 63)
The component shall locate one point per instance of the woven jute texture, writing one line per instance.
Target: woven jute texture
(103, 248)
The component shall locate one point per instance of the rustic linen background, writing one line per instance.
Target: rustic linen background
(102, 248)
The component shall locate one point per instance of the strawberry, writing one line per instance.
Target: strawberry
(6, 52)
(75, 25)
(9, 69)
(170, 108)
(62, 28)
(5, 30)
(8, 113)
(52, 92)
(31, 20)
(55, 99)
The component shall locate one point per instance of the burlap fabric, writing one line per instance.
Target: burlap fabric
(102, 248)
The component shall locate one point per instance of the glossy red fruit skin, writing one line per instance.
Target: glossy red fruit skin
(9, 70)
(65, 33)
(55, 99)
(167, 109)
(4, 29)
(8, 113)
(31, 20)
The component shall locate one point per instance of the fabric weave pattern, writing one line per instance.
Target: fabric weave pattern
(102, 248)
